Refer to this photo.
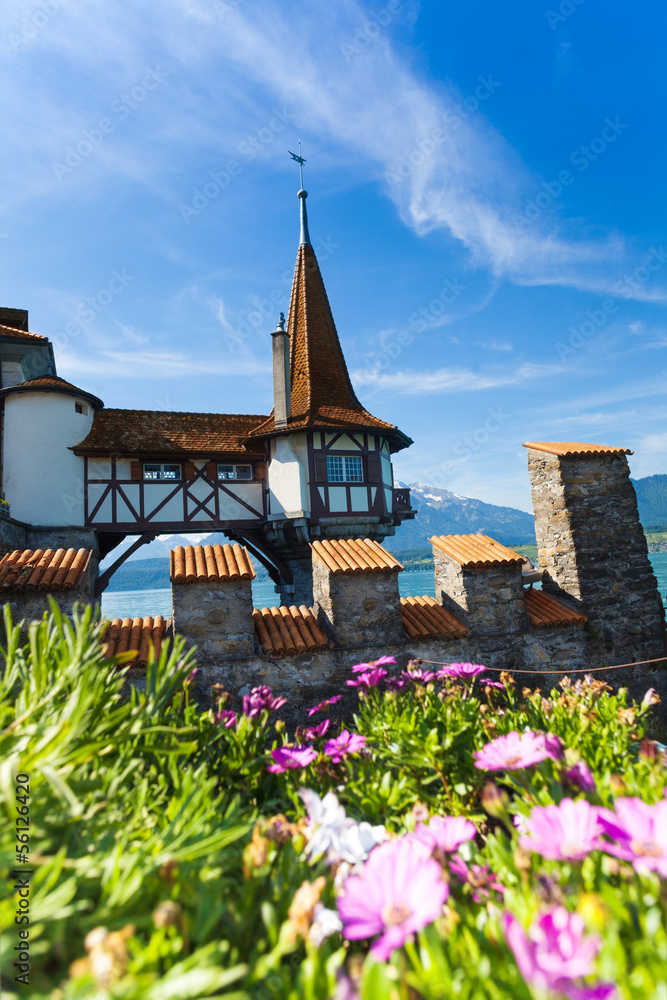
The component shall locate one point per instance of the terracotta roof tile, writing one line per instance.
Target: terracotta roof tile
(124, 635)
(204, 563)
(287, 631)
(321, 391)
(424, 618)
(43, 569)
(154, 432)
(576, 448)
(475, 551)
(544, 611)
(354, 555)
(11, 331)
(52, 383)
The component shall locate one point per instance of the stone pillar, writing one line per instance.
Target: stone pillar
(28, 576)
(212, 599)
(480, 581)
(355, 592)
(592, 547)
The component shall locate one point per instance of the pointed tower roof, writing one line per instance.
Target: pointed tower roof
(321, 391)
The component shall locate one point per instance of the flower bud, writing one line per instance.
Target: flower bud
(166, 914)
(593, 910)
(617, 784)
(494, 800)
(280, 725)
(648, 749)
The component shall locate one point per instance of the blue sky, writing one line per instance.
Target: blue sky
(486, 198)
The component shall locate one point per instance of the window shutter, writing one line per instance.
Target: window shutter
(320, 467)
(189, 471)
(374, 467)
(136, 470)
(259, 471)
(212, 471)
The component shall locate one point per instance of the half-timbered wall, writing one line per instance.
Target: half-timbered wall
(288, 494)
(371, 496)
(117, 499)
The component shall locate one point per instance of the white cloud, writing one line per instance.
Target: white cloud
(448, 380)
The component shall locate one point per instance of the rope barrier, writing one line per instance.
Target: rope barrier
(591, 670)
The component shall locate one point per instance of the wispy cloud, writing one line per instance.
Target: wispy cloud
(449, 380)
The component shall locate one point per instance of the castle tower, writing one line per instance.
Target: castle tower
(329, 471)
(592, 547)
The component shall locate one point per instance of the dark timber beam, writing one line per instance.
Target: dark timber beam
(103, 580)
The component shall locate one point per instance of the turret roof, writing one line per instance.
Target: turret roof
(52, 383)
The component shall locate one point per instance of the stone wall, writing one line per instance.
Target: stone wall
(486, 600)
(216, 616)
(357, 608)
(593, 550)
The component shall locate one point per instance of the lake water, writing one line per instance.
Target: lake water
(411, 583)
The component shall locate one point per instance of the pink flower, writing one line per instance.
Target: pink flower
(398, 892)
(345, 743)
(226, 718)
(466, 671)
(395, 683)
(580, 776)
(315, 732)
(480, 877)
(555, 955)
(494, 684)
(368, 680)
(566, 832)
(291, 758)
(259, 699)
(384, 661)
(325, 704)
(514, 751)
(445, 832)
(418, 676)
(640, 833)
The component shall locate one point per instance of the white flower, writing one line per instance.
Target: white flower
(325, 923)
(357, 840)
(333, 834)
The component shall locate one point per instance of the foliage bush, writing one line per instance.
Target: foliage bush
(170, 862)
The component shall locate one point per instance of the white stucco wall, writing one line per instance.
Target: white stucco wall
(288, 477)
(42, 478)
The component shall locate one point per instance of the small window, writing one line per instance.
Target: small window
(344, 469)
(158, 470)
(235, 472)
(80, 408)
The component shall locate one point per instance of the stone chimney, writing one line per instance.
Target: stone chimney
(355, 591)
(591, 545)
(480, 582)
(16, 318)
(282, 402)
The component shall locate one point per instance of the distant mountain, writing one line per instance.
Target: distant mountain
(441, 512)
(652, 501)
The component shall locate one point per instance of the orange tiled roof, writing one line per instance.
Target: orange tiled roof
(52, 383)
(576, 448)
(475, 551)
(12, 331)
(203, 563)
(544, 610)
(321, 391)
(286, 631)
(154, 432)
(354, 555)
(134, 635)
(43, 569)
(424, 618)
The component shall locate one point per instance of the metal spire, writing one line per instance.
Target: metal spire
(305, 235)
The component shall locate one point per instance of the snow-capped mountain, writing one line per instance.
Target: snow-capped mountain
(441, 512)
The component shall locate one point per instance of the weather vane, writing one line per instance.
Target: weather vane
(300, 160)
